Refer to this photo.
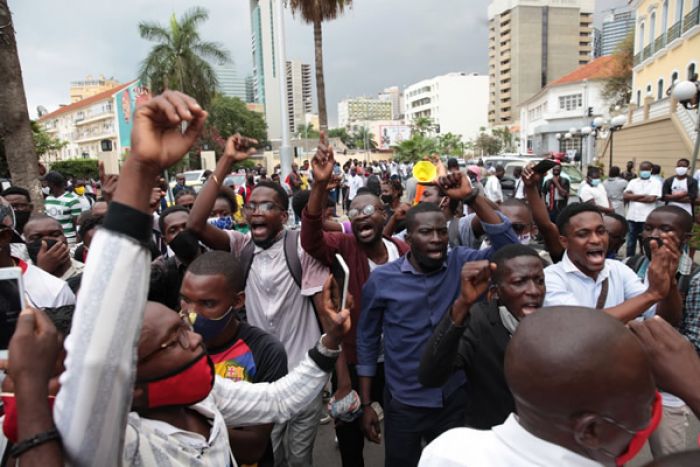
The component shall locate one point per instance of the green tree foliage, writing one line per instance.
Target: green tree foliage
(618, 87)
(344, 136)
(423, 126)
(44, 142)
(415, 148)
(504, 135)
(364, 139)
(179, 58)
(78, 168)
(228, 116)
(450, 144)
(307, 131)
(486, 144)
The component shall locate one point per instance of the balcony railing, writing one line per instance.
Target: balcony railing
(637, 59)
(660, 42)
(647, 52)
(691, 19)
(674, 31)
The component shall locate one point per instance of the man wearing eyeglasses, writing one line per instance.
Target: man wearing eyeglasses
(363, 251)
(278, 296)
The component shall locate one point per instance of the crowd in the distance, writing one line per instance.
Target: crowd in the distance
(479, 329)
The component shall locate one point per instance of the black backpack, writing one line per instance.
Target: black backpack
(291, 256)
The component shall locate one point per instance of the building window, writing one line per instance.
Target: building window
(640, 46)
(674, 77)
(652, 28)
(679, 11)
(660, 89)
(570, 102)
(691, 72)
(649, 90)
(639, 97)
(664, 18)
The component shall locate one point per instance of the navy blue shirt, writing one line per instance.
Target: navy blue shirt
(407, 305)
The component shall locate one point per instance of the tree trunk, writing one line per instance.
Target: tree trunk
(15, 130)
(320, 82)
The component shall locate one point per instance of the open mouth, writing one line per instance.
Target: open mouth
(596, 256)
(530, 308)
(435, 254)
(365, 231)
(258, 229)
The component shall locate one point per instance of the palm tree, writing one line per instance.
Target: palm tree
(307, 131)
(316, 12)
(179, 58)
(15, 128)
(422, 125)
(364, 139)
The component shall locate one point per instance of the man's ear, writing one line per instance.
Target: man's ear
(587, 431)
(564, 241)
(492, 293)
(239, 300)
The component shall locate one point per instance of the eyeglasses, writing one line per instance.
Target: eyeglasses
(366, 211)
(181, 338)
(262, 208)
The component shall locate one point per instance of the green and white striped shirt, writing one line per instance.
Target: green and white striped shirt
(64, 209)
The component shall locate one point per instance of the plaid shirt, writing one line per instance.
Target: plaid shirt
(690, 324)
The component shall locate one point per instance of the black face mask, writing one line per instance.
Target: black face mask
(387, 199)
(646, 245)
(34, 247)
(185, 246)
(21, 219)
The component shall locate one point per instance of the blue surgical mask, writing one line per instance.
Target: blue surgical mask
(223, 223)
(645, 174)
(595, 182)
(210, 328)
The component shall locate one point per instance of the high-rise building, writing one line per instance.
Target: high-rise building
(263, 18)
(532, 42)
(394, 95)
(90, 86)
(363, 109)
(299, 93)
(597, 43)
(455, 103)
(615, 28)
(231, 84)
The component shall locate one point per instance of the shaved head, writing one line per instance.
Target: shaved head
(569, 367)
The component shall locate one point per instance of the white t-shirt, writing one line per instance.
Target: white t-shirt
(636, 211)
(597, 194)
(678, 186)
(392, 251)
(43, 289)
(493, 190)
(354, 184)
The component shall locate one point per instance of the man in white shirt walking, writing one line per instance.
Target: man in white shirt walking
(571, 411)
(641, 194)
(355, 182)
(492, 189)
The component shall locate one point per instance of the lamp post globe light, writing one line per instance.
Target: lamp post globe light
(598, 122)
(688, 94)
(616, 124)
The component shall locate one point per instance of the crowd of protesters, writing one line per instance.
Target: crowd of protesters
(205, 328)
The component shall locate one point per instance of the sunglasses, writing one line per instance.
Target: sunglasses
(262, 208)
(366, 211)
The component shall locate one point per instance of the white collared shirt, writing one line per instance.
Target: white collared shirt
(566, 285)
(636, 211)
(597, 194)
(507, 445)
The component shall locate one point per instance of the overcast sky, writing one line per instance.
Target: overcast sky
(378, 43)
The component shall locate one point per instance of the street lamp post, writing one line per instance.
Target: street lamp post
(684, 92)
(615, 125)
(585, 132)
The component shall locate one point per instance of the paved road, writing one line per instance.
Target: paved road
(327, 455)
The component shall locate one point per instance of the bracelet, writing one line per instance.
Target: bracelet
(325, 351)
(36, 440)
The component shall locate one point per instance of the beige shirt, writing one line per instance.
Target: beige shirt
(273, 301)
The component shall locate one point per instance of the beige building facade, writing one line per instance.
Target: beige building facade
(90, 86)
(533, 42)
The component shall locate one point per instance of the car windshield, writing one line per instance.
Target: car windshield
(193, 176)
(574, 173)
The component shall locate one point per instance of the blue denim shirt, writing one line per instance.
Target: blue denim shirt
(407, 305)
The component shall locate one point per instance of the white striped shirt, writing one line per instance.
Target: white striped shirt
(92, 408)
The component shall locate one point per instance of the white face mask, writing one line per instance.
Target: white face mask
(525, 239)
(46, 190)
(681, 171)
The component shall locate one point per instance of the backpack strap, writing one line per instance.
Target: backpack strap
(246, 259)
(635, 262)
(291, 255)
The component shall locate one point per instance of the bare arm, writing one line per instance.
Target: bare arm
(249, 443)
(549, 231)
(237, 149)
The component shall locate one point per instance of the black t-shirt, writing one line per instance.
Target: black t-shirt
(254, 356)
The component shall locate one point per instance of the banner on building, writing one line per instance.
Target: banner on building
(391, 135)
(126, 101)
